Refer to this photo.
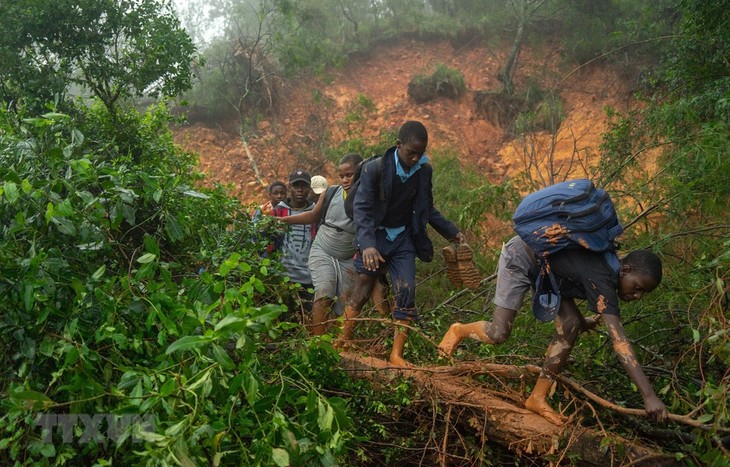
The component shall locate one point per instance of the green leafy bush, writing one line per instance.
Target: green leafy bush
(443, 82)
(126, 290)
(547, 115)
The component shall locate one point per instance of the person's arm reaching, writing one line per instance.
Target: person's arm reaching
(445, 228)
(370, 180)
(308, 217)
(655, 408)
(364, 202)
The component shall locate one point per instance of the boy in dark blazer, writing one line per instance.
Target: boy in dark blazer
(392, 208)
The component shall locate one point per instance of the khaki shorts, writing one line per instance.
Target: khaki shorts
(332, 278)
(513, 274)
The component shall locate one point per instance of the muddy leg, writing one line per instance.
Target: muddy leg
(399, 341)
(488, 332)
(537, 402)
(348, 327)
(568, 325)
(320, 309)
(363, 288)
(381, 297)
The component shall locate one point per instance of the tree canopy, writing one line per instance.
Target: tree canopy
(110, 49)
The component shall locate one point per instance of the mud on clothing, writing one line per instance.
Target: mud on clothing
(581, 273)
(400, 262)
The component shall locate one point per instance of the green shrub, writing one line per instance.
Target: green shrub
(127, 290)
(547, 116)
(443, 82)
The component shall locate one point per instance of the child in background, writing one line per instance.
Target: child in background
(277, 194)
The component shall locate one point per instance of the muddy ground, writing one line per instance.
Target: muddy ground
(312, 113)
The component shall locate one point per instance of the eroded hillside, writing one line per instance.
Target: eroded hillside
(313, 113)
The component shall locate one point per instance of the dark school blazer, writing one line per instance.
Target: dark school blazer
(369, 210)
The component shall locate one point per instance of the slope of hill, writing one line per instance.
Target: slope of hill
(313, 112)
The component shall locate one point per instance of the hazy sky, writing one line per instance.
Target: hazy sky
(193, 15)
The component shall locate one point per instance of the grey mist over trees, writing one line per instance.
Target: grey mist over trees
(113, 50)
(249, 45)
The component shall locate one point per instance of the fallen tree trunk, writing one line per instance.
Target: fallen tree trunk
(500, 421)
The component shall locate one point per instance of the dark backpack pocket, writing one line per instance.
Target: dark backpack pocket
(546, 298)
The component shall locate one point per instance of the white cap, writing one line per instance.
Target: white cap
(319, 184)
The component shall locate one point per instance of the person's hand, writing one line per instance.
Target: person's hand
(371, 259)
(590, 323)
(656, 409)
(459, 238)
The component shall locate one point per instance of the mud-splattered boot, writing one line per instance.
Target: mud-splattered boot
(468, 272)
(452, 265)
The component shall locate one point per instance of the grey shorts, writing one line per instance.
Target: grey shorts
(332, 278)
(513, 274)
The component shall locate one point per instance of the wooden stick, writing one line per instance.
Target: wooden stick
(683, 419)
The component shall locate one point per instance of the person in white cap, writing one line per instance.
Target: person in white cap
(319, 185)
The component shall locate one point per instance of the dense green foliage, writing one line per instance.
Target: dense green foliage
(125, 288)
(687, 117)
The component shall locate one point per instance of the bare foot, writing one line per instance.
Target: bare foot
(399, 361)
(540, 407)
(450, 341)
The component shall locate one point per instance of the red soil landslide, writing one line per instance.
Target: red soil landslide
(382, 77)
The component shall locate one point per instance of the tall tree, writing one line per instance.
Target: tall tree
(111, 48)
(523, 10)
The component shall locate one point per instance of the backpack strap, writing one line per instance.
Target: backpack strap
(381, 169)
(328, 196)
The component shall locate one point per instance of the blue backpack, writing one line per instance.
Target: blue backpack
(572, 214)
